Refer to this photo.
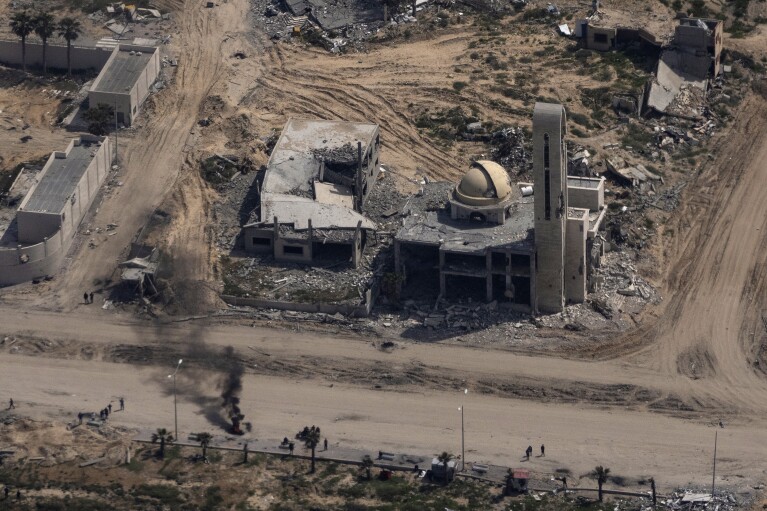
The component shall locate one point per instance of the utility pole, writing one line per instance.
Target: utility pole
(463, 444)
(115, 109)
(175, 408)
(713, 477)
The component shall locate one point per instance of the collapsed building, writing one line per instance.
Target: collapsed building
(35, 243)
(685, 65)
(315, 187)
(530, 247)
(693, 58)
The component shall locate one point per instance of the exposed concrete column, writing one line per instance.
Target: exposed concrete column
(311, 240)
(489, 277)
(276, 237)
(357, 246)
(533, 286)
(442, 277)
(358, 191)
(45, 246)
(322, 170)
(398, 266)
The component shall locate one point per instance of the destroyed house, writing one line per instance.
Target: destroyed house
(125, 81)
(700, 40)
(690, 63)
(317, 181)
(492, 242)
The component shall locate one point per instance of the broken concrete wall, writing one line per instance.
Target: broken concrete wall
(293, 250)
(354, 311)
(258, 240)
(701, 37)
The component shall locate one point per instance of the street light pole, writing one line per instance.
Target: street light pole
(463, 444)
(175, 408)
(713, 477)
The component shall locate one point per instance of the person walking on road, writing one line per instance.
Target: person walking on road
(11, 405)
(326, 444)
(80, 417)
(291, 446)
(110, 407)
(543, 450)
(529, 451)
(122, 404)
(91, 296)
(85, 298)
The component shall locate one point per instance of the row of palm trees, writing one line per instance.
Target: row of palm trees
(45, 26)
(600, 474)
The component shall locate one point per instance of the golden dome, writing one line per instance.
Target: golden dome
(485, 183)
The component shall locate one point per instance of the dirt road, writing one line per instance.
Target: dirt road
(697, 355)
(709, 332)
(633, 445)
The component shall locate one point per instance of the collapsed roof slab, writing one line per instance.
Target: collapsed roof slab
(299, 211)
(675, 69)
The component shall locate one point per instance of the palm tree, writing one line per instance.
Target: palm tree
(204, 439)
(367, 464)
(445, 458)
(163, 436)
(45, 27)
(312, 440)
(70, 29)
(22, 25)
(600, 474)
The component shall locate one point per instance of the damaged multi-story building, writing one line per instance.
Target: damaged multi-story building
(691, 61)
(317, 181)
(530, 246)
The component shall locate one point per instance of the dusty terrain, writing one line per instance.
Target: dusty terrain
(644, 405)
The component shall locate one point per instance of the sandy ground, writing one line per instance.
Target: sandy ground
(632, 444)
(693, 359)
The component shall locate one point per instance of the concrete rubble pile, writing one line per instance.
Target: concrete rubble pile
(509, 149)
(701, 501)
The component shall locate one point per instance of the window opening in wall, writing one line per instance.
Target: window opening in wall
(546, 177)
(262, 241)
(287, 249)
(477, 217)
(600, 38)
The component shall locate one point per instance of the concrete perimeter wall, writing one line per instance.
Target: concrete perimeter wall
(83, 57)
(29, 262)
(355, 311)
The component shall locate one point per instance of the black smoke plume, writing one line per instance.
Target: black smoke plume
(231, 385)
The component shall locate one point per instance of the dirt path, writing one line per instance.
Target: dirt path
(709, 328)
(154, 159)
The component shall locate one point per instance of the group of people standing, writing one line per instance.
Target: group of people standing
(104, 413)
